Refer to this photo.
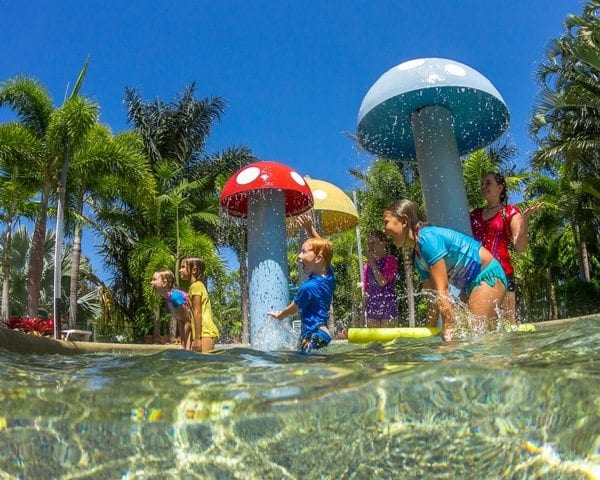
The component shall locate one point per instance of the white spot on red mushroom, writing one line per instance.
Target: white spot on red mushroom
(297, 178)
(247, 175)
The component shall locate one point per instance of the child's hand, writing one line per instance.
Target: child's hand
(275, 314)
(197, 346)
(305, 221)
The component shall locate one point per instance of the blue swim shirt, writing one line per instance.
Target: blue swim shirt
(460, 252)
(314, 299)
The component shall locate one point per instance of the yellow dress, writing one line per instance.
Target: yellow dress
(209, 329)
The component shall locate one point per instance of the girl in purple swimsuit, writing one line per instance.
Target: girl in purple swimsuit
(379, 287)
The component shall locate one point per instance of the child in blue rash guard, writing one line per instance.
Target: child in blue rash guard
(314, 296)
(445, 256)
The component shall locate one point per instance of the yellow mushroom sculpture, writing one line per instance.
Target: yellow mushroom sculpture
(335, 211)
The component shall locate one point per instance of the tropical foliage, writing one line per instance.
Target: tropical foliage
(566, 124)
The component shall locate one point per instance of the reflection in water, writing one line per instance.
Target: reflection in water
(516, 405)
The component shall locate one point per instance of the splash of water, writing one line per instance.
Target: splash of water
(275, 334)
(466, 324)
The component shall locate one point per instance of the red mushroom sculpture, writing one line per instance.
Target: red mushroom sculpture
(265, 193)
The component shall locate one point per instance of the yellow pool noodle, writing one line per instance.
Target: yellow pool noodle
(366, 335)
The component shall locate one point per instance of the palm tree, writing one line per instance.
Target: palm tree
(34, 108)
(20, 251)
(566, 124)
(17, 188)
(72, 123)
(179, 217)
(56, 132)
(116, 162)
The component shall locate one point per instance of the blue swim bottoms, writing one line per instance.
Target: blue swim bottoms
(314, 341)
(490, 274)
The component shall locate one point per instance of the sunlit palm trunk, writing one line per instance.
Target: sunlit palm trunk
(582, 253)
(582, 257)
(551, 288)
(6, 273)
(36, 256)
(585, 262)
(76, 260)
(410, 286)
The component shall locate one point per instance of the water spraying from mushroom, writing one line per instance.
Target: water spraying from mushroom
(449, 110)
(265, 193)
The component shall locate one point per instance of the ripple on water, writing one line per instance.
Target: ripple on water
(513, 405)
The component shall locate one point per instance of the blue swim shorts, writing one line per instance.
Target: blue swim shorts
(314, 341)
(490, 274)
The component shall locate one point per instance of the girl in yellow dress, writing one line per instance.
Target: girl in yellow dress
(204, 330)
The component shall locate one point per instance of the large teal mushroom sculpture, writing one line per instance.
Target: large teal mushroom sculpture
(433, 110)
(265, 193)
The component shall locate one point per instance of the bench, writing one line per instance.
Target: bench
(84, 335)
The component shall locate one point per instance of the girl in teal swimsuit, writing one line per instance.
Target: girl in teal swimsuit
(444, 257)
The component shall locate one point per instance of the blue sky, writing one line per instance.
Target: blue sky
(292, 73)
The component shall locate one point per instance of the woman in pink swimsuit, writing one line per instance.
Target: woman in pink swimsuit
(498, 226)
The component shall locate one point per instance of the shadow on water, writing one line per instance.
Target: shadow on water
(515, 405)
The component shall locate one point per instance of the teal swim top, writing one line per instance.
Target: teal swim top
(459, 251)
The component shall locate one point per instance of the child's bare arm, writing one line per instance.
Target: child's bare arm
(291, 309)
(305, 221)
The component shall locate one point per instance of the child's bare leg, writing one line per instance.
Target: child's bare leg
(208, 344)
(187, 334)
(509, 307)
(485, 300)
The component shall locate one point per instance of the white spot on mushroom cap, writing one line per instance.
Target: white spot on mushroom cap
(411, 64)
(247, 175)
(455, 69)
(319, 194)
(297, 178)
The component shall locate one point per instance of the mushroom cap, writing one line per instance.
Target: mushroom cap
(337, 211)
(384, 119)
(263, 176)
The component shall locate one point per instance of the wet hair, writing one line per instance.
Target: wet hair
(406, 208)
(377, 234)
(197, 263)
(500, 180)
(168, 276)
(322, 246)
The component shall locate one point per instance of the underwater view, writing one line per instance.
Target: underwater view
(513, 405)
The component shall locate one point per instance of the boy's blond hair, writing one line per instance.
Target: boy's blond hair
(323, 247)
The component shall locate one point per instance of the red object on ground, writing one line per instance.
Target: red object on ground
(32, 325)
(261, 176)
